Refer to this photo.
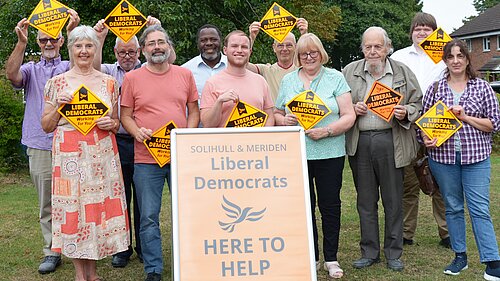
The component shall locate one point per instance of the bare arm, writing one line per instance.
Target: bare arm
(50, 116)
(193, 119)
(211, 117)
(343, 124)
(128, 122)
(270, 117)
(102, 31)
(302, 25)
(284, 119)
(482, 124)
(13, 66)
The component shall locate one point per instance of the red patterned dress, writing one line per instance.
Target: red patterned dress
(89, 212)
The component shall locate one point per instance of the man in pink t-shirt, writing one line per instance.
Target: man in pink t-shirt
(152, 96)
(234, 83)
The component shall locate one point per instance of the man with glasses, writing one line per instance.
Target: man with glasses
(32, 77)
(127, 59)
(273, 73)
(379, 150)
(152, 96)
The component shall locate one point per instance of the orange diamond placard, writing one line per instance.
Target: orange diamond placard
(125, 21)
(159, 144)
(381, 100)
(439, 123)
(277, 22)
(309, 109)
(433, 45)
(49, 16)
(83, 110)
(245, 115)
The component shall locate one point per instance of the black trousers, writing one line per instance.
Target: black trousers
(325, 182)
(126, 152)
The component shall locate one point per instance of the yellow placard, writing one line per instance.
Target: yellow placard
(83, 110)
(381, 100)
(159, 144)
(277, 22)
(49, 16)
(438, 122)
(240, 205)
(309, 109)
(433, 45)
(125, 21)
(245, 115)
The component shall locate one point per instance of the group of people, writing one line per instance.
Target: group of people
(86, 183)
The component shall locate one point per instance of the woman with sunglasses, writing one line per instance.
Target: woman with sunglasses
(325, 142)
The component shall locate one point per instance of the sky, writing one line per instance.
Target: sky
(449, 13)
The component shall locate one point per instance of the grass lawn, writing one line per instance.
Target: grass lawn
(21, 241)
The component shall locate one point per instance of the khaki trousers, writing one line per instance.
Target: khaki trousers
(40, 164)
(411, 196)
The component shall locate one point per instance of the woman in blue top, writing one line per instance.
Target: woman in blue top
(325, 142)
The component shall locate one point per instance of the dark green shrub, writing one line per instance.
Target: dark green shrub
(11, 117)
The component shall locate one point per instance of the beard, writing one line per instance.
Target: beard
(158, 58)
(210, 57)
(49, 54)
(375, 67)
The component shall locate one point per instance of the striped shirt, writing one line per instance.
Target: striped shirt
(478, 100)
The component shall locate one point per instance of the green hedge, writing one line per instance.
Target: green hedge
(11, 117)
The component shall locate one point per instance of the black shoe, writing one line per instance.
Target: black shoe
(364, 262)
(118, 261)
(395, 264)
(407, 241)
(153, 277)
(49, 264)
(445, 242)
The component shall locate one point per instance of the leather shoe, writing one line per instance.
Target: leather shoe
(407, 241)
(395, 264)
(118, 261)
(49, 264)
(364, 262)
(445, 242)
(153, 277)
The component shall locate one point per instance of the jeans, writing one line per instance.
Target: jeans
(472, 181)
(149, 180)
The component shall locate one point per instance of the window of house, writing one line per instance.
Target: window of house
(486, 44)
(469, 44)
(498, 42)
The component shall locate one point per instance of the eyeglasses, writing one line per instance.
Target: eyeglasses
(282, 46)
(153, 44)
(123, 54)
(44, 41)
(313, 55)
(368, 48)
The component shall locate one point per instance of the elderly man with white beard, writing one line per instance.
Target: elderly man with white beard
(151, 97)
(379, 150)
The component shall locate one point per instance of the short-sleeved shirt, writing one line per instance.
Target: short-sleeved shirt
(35, 76)
(201, 71)
(250, 87)
(273, 73)
(156, 99)
(328, 85)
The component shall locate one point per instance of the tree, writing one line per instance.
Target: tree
(482, 5)
(357, 15)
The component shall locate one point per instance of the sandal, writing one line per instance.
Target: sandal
(334, 270)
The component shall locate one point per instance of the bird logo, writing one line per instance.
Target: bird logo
(234, 212)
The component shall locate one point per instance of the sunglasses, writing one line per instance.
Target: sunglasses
(44, 41)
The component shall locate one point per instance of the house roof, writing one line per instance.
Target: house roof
(493, 65)
(486, 22)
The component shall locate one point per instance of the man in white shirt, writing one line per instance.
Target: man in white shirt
(427, 72)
